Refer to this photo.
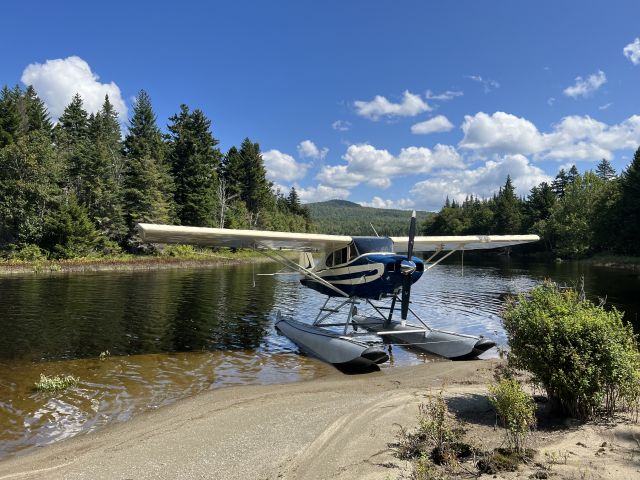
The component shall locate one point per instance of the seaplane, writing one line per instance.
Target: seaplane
(372, 271)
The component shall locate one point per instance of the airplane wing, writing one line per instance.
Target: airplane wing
(226, 237)
(462, 242)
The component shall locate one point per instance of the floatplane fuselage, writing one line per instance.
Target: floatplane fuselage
(367, 268)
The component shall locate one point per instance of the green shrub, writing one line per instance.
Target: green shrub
(583, 355)
(516, 410)
(179, 251)
(29, 253)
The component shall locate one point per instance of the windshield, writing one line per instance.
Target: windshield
(373, 244)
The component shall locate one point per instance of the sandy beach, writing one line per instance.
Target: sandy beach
(338, 427)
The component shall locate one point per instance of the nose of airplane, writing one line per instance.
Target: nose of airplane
(407, 267)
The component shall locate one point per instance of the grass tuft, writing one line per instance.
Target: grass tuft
(56, 383)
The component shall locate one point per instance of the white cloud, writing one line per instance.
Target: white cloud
(57, 81)
(341, 125)
(482, 182)
(574, 137)
(500, 133)
(410, 106)
(400, 204)
(487, 83)
(585, 87)
(308, 149)
(605, 106)
(321, 193)
(376, 167)
(551, 101)
(439, 123)
(281, 166)
(632, 51)
(444, 96)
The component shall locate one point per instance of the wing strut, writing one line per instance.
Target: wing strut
(278, 257)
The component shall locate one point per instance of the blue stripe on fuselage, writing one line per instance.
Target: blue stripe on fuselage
(366, 283)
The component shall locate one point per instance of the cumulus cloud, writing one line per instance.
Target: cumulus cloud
(400, 204)
(500, 132)
(574, 137)
(585, 87)
(632, 51)
(308, 149)
(487, 83)
(341, 125)
(444, 96)
(439, 123)
(321, 193)
(57, 81)
(410, 106)
(376, 167)
(281, 166)
(482, 181)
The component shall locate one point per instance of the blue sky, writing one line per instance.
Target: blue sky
(386, 103)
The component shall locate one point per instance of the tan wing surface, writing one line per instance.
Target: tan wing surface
(466, 242)
(226, 237)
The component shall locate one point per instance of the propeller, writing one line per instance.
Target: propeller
(407, 267)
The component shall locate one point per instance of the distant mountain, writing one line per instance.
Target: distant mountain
(341, 217)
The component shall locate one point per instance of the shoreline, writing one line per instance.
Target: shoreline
(127, 263)
(339, 426)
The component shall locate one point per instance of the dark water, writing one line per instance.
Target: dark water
(174, 333)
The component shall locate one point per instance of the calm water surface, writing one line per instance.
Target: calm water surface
(174, 333)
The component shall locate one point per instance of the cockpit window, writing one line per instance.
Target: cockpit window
(373, 244)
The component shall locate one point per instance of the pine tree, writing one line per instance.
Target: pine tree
(195, 161)
(572, 174)
(605, 170)
(106, 209)
(293, 201)
(256, 191)
(9, 118)
(630, 206)
(232, 171)
(560, 183)
(147, 182)
(37, 117)
(507, 214)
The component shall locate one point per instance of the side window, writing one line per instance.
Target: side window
(329, 260)
(338, 257)
(353, 252)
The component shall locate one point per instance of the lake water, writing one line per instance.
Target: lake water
(171, 334)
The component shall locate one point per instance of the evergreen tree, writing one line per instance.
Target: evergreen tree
(256, 189)
(232, 171)
(572, 174)
(107, 163)
(560, 183)
(507, 213)
(147, 182)
(35, 111)
(605, 170)
(9, 118)
(30, 175)
(630, 206)
(69, 232)
(195, 162)
(293, 201)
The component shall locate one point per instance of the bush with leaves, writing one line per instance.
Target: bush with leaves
(516, 410)
(583, 355)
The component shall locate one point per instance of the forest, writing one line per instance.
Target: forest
(78, 188)
(577, 215)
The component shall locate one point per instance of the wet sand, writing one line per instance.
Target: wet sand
(335, 427)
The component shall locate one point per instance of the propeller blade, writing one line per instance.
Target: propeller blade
(412, 235)
(406, 294)
(406, 281)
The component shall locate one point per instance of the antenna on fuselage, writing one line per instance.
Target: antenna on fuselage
(374, 229)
